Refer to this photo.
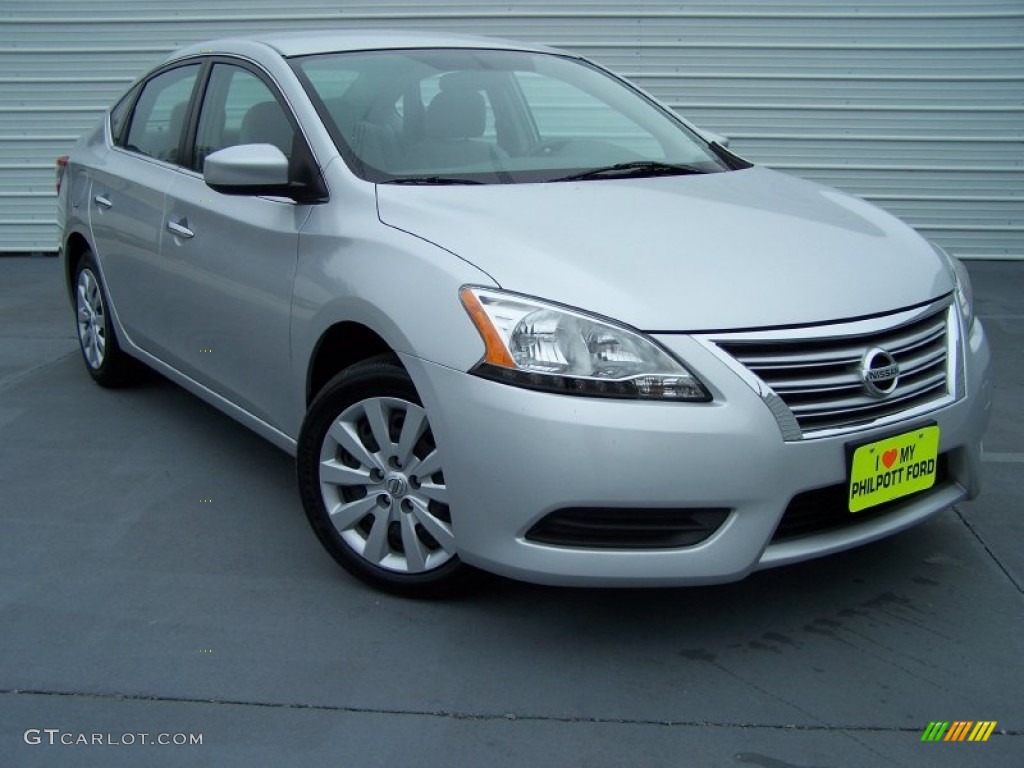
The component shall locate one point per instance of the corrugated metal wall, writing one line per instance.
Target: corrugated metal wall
(917, 105)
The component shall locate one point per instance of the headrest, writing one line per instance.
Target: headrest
(265, 123)
(456, 114)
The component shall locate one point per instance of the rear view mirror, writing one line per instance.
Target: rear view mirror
(248, 169)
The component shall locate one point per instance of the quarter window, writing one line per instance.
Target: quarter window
(160, 113)
(119, 114)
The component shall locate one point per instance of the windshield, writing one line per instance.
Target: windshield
(489, 116)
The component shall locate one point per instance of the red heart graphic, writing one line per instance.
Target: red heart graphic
(889, 457)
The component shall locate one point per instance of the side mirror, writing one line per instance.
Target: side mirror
(249, 169)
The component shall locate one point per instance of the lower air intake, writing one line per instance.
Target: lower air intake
(626, 528)
(825, 509)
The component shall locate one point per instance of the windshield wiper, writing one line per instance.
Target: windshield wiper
(632, 169)
(432, 180)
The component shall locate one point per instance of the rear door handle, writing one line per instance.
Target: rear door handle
(180, 230)
(102, 201)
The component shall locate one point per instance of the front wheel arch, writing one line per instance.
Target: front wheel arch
(341, 346)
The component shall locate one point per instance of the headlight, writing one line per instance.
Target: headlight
(964, 292)
(533, 344)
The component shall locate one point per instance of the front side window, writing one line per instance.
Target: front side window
(158, 119)
(491, 116)
(239, 108)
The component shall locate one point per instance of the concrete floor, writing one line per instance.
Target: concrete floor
(129, 605)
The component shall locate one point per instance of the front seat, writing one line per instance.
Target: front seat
(265, 123)
(454, 123)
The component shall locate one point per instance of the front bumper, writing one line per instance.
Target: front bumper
(514, 456)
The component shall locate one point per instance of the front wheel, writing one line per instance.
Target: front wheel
(372, 482)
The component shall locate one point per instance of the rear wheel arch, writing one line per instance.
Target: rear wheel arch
(75, 249)
(104, 359)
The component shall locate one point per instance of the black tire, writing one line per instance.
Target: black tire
(104, 360)
(380, 487)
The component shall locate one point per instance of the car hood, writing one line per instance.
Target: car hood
(742, 249)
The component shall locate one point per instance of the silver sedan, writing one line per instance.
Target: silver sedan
(510, 313)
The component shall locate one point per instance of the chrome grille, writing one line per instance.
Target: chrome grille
(819, 379)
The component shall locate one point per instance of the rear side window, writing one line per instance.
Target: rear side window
(159, 116)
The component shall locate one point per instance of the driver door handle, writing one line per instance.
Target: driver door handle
(102, 201)
(179, 230)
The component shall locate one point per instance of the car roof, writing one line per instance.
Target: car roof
(331, 41)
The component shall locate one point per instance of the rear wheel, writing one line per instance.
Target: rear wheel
(106, 363)
(372, 482)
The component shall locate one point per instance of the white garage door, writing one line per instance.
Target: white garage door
(917, 105)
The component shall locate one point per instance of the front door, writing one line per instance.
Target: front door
(229, 261)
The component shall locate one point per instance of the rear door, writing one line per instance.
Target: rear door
(229, 261)
(126, 199)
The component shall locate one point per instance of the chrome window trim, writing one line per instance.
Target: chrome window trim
(208, 61)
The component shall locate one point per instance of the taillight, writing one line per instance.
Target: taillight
(61, 164)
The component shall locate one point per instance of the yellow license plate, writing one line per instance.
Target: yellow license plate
(894, 467)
